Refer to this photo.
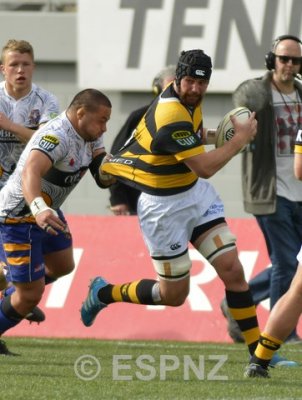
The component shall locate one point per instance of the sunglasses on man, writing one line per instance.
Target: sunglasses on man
(286, 59)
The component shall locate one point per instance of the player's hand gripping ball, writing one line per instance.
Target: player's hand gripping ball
(225, 129)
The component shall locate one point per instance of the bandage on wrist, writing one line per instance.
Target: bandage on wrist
(210, 136)
(38, 205)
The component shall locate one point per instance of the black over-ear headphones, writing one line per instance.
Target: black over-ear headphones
(157, 85)
(270, 57)
(162, 78)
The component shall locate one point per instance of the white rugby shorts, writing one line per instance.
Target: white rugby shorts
(167, 222)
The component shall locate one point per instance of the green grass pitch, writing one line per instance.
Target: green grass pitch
(95, 369)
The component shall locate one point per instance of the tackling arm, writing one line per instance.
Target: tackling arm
(34, 169)
(102, 179)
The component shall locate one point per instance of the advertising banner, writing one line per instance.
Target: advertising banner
(122, 44)
(113, 247)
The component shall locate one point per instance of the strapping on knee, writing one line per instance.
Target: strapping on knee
(174, 269)
(218, 241)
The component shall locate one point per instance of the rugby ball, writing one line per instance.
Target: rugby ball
(225, 129)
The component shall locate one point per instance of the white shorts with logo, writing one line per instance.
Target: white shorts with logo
(167, 222)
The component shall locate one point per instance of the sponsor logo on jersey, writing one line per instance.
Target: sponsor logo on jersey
(53, 115)
(49, 142)
(7, 135)
(181, 134)
(175, 246)
(121, 160)
(34, 117)
(73, 179)
(184, 138)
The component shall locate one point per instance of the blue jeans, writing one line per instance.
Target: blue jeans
(260, 286)
(283, 236)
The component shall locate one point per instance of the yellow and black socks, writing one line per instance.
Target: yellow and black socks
(243, 310)
(265, 350)
(144, 291)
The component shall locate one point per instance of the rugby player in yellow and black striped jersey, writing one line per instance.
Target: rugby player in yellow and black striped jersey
(169, 133)
(166, 160)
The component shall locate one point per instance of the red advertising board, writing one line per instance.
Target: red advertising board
(113, 248)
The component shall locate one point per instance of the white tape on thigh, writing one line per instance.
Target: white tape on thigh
(219, 241)
(174, 268)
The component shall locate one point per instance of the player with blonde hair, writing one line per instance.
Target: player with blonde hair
(24, 107)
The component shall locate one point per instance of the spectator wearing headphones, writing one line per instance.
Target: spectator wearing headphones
(270, 190)
(287, 311)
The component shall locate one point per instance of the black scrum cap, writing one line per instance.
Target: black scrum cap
(194, 63)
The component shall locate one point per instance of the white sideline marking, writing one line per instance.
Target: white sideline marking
(59, 289)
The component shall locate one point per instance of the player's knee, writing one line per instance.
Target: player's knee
(233, 276)
(174, 272)
(230, 265)
(218, 242)
(173, 269)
